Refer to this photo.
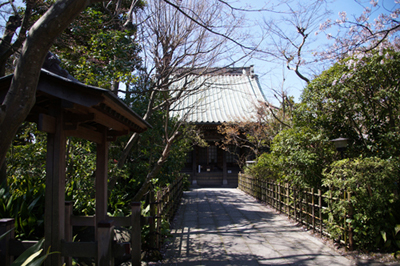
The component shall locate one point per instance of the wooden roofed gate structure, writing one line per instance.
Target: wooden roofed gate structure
(230, 94)
(65, 107)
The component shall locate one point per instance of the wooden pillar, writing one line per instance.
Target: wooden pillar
(6, 225)
(54, 220)
(68, 228)
(105, 235)
(101, 179)
(224, 169)
(136, 234)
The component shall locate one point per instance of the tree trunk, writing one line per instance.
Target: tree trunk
(127, 149)
(134, 138)
(3, 173)
(156, 169)
(114, 87)
(20, 97)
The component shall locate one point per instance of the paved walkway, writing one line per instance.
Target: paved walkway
(228, 227)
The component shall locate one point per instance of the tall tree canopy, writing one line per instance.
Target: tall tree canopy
(99, 48)
(358, 98)
(21, 96)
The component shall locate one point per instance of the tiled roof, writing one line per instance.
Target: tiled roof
(219, 95)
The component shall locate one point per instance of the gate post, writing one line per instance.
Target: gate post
(105, 237)
(6, 225)
(68, 228)
(136, 235)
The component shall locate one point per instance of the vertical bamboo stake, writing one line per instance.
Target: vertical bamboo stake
(320, 210)
(265, 190)
(307, 209)
(279, 198)
(287, 199)
(259, 188)
(271, 196)
(252, 186)
(295, 203)
(351, 240)
(313, 210)
(345, 233)
(301, 205)
(274, 189)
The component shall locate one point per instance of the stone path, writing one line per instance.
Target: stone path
(227, 227)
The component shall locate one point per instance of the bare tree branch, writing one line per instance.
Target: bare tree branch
(245, 47)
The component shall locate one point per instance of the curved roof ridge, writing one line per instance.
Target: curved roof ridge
(224, 96)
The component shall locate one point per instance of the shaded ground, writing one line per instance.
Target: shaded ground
(227, 227)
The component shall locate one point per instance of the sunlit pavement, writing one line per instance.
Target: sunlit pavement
(219, 226)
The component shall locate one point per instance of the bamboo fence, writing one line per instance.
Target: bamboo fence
(163, 205)
(305, 206)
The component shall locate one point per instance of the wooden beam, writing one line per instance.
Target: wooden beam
(79, 249)
(78, 117)
(83, 221)
(65, 104)
(73, 120)
(125, 111)
(103, 119)
(85, 133)
(121, 221)
(69, 92)
(46, 123)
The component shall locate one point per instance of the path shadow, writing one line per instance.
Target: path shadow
(217, 226)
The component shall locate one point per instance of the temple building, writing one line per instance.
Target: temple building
(218, 95)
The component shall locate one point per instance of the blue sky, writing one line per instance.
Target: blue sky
(271, 75)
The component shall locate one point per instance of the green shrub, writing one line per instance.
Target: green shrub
(264, 168)
(373, 184)
(185, 182)
(301, 154)
(23, 197)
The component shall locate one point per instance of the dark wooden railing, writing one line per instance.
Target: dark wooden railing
(165, 203)
(302, 205)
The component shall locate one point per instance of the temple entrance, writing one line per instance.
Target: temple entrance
(212, 166)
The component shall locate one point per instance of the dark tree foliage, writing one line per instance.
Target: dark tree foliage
(99, 48)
